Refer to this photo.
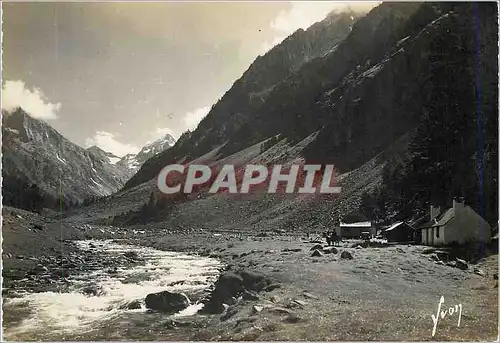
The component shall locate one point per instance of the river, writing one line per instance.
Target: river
(78, 314)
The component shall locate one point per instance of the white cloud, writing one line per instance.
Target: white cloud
(192, 119)
(15, 94)
(162, 131)
(107, 142)
(301, 15)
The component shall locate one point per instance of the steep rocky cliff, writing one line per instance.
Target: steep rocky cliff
(34, 153)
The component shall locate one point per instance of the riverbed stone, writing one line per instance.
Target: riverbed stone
(330, 250)
(228, 313)
(479, 272)
(462, 264)
(133, 305)
(452, 264)
(131, 255)
(272, 287)
(316, 253)
(91, 290)
(232, 285)
(292, 319)
(317, 247)
(227, 286)
(250, 296)
(257, 309)
(346, 255)
(167, 302)
(427, 251)
(231, 301)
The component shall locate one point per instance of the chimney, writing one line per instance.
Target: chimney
(435, 210)
(458, 204)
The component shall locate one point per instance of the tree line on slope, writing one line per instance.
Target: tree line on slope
(16, 192)
(454, 150)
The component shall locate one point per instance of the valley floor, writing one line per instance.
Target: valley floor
(382, 293)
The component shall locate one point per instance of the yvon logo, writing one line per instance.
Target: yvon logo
(297, 178)
(457, 310)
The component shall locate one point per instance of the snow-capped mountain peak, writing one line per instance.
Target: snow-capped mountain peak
(104, 155)
(135, 161)
(159, 145)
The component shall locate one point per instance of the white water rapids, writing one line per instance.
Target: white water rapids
(74, 312)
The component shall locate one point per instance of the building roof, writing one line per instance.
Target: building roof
(359, 224)
(417, 223)
(393, 226)
(441, 219)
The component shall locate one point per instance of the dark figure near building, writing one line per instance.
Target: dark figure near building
(326, 235)
(331, 237)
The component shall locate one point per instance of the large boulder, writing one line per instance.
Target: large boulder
(330, 250)
(227, 286)
(253, 281)
(461, 264)
(346, 255)
(317, 247)
(230, 285)
(316, 253)
(443, 255)
(167, 302)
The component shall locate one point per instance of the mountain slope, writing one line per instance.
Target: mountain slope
(347, 107)
(351, 93)
(358, 89)
(296, 106)
(454, 153)
(36, 154)
(250, 92)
